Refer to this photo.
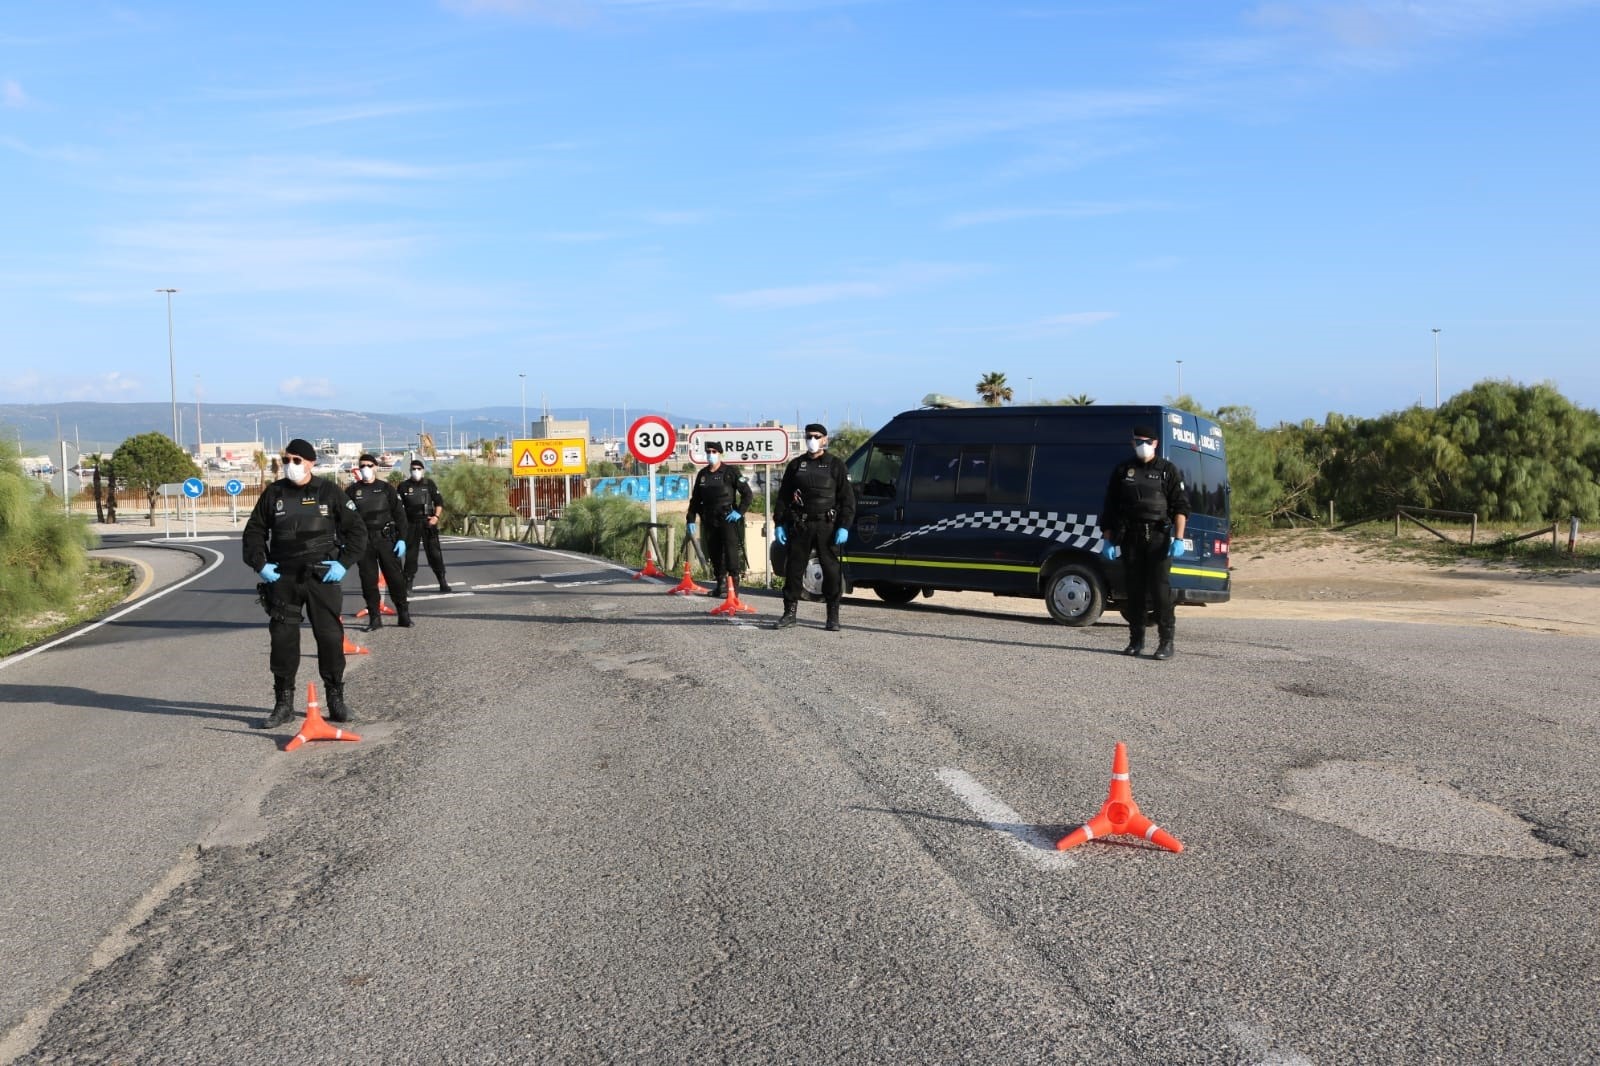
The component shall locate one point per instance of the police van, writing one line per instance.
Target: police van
(1007, 500)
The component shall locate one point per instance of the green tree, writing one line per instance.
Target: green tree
(150, 460)
(43, 553)
(1082, 399)
(846, 439)
(96, 461)
(471, 488)
(1523, 453)
(993, 390)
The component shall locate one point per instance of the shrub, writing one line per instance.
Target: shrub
(611, 527)
(43, 553)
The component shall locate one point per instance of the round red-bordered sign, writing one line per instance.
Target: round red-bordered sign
(651, 439)
(549, 457)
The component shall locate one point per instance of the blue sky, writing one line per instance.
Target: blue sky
(753, 208)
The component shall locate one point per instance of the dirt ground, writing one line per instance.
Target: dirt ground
(1323, 576)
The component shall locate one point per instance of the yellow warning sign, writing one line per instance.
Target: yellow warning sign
(546, 458)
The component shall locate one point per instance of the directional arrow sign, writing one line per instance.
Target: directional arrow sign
(194, 488)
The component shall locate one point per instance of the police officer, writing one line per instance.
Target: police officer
(303, 534)
(720, 497)
(1143, 521)
(816, 506)
(385, 520)
(424, 507)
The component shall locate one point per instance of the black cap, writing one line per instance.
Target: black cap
(1144, 431)
(713, 446)
(368, 457)
(817, 427)
(416, 464)
(301, 447)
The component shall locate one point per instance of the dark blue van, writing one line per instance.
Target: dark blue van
(1007, 500)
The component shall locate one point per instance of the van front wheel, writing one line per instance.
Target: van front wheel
(1075, 596)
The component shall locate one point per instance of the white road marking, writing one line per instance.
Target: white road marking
(1033, 845)
(575, 584)
(1257, 1043)
(511, 584)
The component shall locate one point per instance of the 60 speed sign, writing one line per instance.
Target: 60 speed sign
(651, 439)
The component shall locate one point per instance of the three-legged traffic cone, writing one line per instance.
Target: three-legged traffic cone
(1119, 813)
(649, 565)
(352, 648)
(687, 587)
(317, 727)
(383, 606)
(733, 604)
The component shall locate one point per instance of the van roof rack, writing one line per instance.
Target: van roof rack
(943, 402)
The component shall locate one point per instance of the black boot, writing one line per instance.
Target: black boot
(1135, 642)
(444, 586)
(282, 703)
(1165, 650)
(405, 621)
(832, 625)
(374, 618)
(788, 618)
(338, 710)
(722, 587)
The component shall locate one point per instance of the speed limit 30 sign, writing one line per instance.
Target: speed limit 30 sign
(651, 439)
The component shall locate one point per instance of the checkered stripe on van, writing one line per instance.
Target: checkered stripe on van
(1079, 531)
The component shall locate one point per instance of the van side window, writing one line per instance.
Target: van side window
(972, 477)
(1008, 473)
(933, 473)
(879, 476)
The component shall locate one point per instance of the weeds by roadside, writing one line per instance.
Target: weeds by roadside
(105, 584)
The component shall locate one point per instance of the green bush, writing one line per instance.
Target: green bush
(43, 552)
(473, 488)
(611, 527)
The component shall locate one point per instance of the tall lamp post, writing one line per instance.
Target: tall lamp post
(524, 378)
(172, 368)
(1180, 377)
(1436, 369)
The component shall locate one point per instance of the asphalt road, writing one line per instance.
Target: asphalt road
(590, 822)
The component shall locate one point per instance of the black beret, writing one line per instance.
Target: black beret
(368, 457)
(301, 447)
(713, 446)
(416, 464)
(1144, 431)
(817, 427)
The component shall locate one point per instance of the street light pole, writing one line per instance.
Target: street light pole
(1436, 369)
(172, 368)
(524, 378)
(1180, 378)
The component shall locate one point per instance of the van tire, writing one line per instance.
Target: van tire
(1075, 595)
(896, 594)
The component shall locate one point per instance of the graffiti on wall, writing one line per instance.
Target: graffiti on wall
(668, 487)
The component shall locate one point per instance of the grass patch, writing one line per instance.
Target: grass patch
(1494, 545)
(105, 584)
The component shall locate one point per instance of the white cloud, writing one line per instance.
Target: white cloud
(952, 123)
(306, 388)
(12, 96)
(33, 387)
(1019, 214)
(1076, 319)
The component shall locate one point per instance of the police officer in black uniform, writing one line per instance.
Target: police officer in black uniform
(816, 506)
(387, 534)
(720, 497)
(303, 534)
(1143, 521)
(424, 507)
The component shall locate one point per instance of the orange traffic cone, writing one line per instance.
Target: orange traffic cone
(649, 565)
(687, 587)
(733, 604)
(383, 606)
(1120, 814)
(317, 727)
(352, 648)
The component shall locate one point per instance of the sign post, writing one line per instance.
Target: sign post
(233, 488)
(651, 439)
(193, 488)
(549, 457)
(760, 446)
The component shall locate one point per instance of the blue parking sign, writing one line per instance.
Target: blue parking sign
(193, 488)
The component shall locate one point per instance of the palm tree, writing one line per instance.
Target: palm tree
(260, 460)
(1083, 399)
(993, 390)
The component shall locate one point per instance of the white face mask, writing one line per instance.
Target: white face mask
(813, 445)
(299, 473)
(416, 475)
(713, 459)
(1145, 452)
(367, 473)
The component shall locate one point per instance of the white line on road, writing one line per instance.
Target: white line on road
(511, 584)
(1034, 846)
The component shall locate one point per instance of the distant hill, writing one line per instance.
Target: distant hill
(96, 427)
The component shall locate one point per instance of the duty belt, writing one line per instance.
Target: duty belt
(828, 517)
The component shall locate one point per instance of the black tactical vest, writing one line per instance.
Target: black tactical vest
(1142, 491)
(304, 529)
(417, 497)
(816, 486)
(373, 503)
(718, 491)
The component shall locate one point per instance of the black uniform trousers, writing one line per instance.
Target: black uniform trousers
(321, 600)
(380, 556)
(427, 540)
(1147, 578)
(807, 536)
(724, 546)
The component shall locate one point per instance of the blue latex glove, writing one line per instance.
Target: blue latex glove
(400, 548)
(841, 536)
(1110, 551)
(689, 528)
(781, 535)
(1177, 548)
(734, 516)
(336, 572)
(269, 573)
